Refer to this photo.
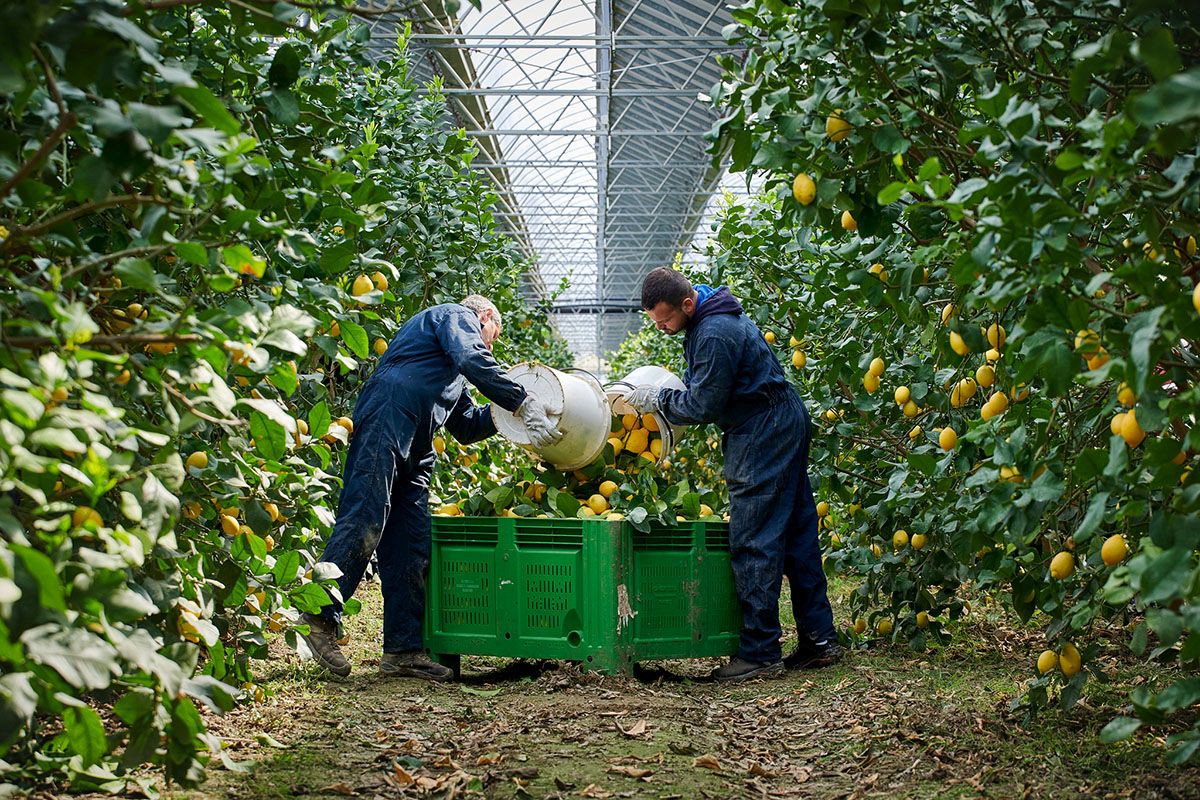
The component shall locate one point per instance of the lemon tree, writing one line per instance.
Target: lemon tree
(980, 228)
(210, 216)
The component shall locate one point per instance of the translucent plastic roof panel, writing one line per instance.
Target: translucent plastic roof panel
(590, 122)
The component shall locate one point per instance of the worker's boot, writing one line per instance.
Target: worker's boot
(322, 641)
(414, 665)
(739, 669)
(813, 656)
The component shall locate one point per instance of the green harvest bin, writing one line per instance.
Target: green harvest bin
(591, 591)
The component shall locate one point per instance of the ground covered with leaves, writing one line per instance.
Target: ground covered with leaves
(886, 722)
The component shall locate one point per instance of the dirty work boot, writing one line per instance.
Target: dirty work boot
(813, 656)
(322, 641)
(738, 669)
(413, 665)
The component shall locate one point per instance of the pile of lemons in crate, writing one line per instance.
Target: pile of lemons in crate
(629, 480)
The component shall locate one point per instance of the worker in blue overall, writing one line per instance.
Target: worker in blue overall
(419, 386)
(734, 380)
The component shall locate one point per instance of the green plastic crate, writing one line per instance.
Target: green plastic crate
(592, 591)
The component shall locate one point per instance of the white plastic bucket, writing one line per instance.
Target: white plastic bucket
(576, 404)
(646, 376)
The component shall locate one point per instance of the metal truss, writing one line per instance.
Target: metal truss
(590, 119)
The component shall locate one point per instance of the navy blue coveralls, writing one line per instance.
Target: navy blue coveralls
(734, 380)
(419, 386)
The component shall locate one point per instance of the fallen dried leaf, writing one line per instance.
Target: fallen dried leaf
(592, 790)
(707, 761)
(340, 788)
(562, 785)
(488, 758)
(632, 772)
(638, 728)
(761, 771)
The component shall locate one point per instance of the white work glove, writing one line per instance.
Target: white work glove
(644, 399)
(542, 431)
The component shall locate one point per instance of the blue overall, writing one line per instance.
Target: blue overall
(419, 386)
(734, 380)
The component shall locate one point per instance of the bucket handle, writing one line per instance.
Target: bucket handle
(586, 374)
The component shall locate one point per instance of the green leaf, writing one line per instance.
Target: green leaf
(286, 567)
(1092, 519)
(137, 273)
(206, 104)
(1175, 100)
(193, 253)
(85, 732)
(319, 419)
(282, 105)
(270, 439)
(355, 338)
(34, 566)
(84, 660)
(1156, 48)
(241, 259)
(1143, 331)
(285, 66)
(1119, 729)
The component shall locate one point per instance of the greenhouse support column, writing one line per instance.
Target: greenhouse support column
(604, 87)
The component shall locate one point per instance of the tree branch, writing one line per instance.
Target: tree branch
(119, 340)
(86, 208)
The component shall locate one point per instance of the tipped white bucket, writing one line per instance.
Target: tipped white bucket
(576, 404)
(641, 377)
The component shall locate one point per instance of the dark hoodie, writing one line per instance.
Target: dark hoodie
(732, 372)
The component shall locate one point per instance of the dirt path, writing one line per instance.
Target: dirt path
(883, 723)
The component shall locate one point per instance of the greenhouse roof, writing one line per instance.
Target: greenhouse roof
(590, 120)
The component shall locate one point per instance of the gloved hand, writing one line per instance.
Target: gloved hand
(644, 399)
(542, 431)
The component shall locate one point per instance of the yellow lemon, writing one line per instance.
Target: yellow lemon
(902, 394)
(794, 342)
(1069, 660)
(900, 539)
(1099, 360)
(615, 516)
(915, 432)
(650, 423)
(637, 441)
(848, 221)
(607, 488)
(439, 445)
(380, 280)
(836, 126)
(1125, 395)
(192, 510)
(999, 401)
(1062, 566)
(947, 312)
(870, 383)
(922, 619)
(655, 448)
(362, 285)
(1117, 420)
(123, 377)
(804, 189)
(1196, 298)
(448, 510)
(629, 421)
(822, 508)
(996, 336)
(381, 346)
(957, 344)
(770, 337)
(1131, 431)
(598, 503)
(616, 446)
(230, 525)
(877, 269)
(799, 359)
(911, 409)
(985, 376)
(197, 460)
(877, 367)
(705, 510)
(992, 356)
(1114, 550)
(860, 626)
(1047, 661)
(884, 627)
(947, 439)
(917, 541)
